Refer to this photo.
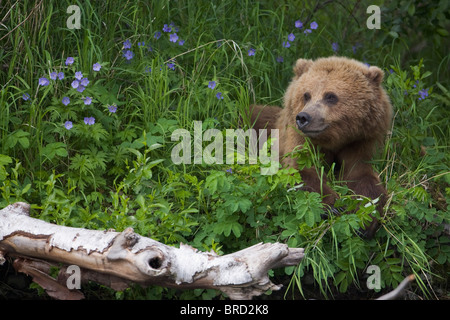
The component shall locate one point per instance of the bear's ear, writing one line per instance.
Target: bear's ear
(375, 75)
(301, 66)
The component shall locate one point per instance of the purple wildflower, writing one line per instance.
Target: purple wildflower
(157, 35)
(286, 44)
(68, 125)
(173, 37)
(128, 55)
(53, 75)
(335, 46)
(43, 81)
(69, 61)
(61, 75)
(313, 25)
(127, 44)
(280, 59)
(89, 120)
(75, 84)
(65, 101)
(298, 24)
(291, 37)
(78, 75)
(212, 84)
(166, 28)
(251, 52)
(96, 67)
(84, 82)
(26, 96)
(112, 108)
(219, 95)
(87, 100)
(423, 94)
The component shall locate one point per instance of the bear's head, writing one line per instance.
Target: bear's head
(336, 101)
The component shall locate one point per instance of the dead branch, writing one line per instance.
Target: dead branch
(399, 291)
(119, 258)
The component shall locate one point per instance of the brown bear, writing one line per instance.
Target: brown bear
(340, 105)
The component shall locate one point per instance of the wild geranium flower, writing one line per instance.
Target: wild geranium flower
(173, 37)
(65, 101)
(127, 44)
(53, 75)
(219, 95)
(157, 35)
(307, 31)
(166, 28)
(68, 125)
(128, 54)
(61, 75)
(89, 121)
(280, 59)
(75, 84)
(251, 52)
(44, 81)
(87, 100)
(80, 88)
(313, 25)
(229, 170)
(69, 61)
(171, 66)
(141, 44)
(84, 82)
(212, 84)
(78, 75)
(26, 96)
(291, 37)
(286, 44)
(298, 24)
(181, 42)
(112, 108)
(335, 46)
(96, 67)
(423, 94)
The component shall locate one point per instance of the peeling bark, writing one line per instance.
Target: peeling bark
(119, 258)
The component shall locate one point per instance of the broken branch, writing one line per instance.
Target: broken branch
(123, 257)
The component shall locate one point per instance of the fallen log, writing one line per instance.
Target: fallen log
(120, 258)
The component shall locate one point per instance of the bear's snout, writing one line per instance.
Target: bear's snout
(312, 123)
(303, 119)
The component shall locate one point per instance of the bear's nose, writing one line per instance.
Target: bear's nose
(302, 119)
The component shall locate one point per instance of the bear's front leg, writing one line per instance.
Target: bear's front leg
(366, 183)
(313, 183)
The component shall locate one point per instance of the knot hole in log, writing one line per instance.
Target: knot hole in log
(155, 262)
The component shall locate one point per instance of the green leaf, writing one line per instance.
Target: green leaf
(5, 160)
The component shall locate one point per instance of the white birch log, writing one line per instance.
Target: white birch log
(124, 257)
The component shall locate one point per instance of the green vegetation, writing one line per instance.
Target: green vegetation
(86, 118)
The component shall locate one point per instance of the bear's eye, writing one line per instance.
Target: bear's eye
(306, 96)
(330, 98)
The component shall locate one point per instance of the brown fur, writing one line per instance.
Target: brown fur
(348, 115)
